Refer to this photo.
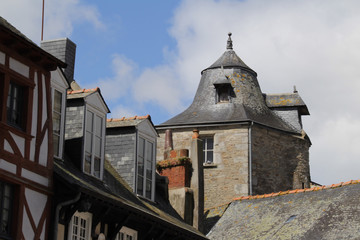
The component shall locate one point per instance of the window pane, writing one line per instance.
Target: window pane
(97, 146)
(56, 141)
(89, 121)
(140, 183)
(209, 157)
(88, 142)
(57, 101)
(6, 202)
(87, 164)
(56, 122)
(15, 105)
(98, 128)
(148, 188)
(97, 164)
(141, 147)
(210, 143)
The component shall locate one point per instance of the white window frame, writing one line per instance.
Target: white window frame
(85, 216)
(126, 232)
(206, 150)
(153, 142)
(62, 118)
(102, 149)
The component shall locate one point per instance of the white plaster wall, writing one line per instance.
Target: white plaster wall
(20, 142)
(34, 177)
(19, 67)
(7, 166)
(37, 202)
(26, 227)
(44, 150)
(2, 58)
(7, 146)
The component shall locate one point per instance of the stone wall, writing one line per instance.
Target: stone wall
(280, 161)
(228, 176)
(120, 151)
(74, 121)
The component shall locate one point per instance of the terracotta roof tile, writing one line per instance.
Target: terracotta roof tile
(128, 119)
(90, 90)
(294, 191)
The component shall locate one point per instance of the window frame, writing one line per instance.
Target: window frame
(82, 216)
(127, 232)
(152, 141)
(12, 203)
(102, 116)
(62, 119)
(23, 99)
(206, 150)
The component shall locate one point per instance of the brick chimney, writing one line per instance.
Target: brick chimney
(65, 50)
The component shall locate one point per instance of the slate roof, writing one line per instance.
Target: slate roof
(230, 59)
(247, 101)
(23, 44)
(83, 93)
(286, 100)
(122, 198)
(326, 212)
(126, 122)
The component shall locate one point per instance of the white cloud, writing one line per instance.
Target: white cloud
(118, 86)
(60, 17)
(121, 111)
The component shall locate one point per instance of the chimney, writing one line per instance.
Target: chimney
(65, 50)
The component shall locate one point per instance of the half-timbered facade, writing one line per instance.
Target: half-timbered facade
(26, 136)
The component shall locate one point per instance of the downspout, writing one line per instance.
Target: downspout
(57, 211)
(250, 158)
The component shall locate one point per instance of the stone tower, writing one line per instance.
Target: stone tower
(253, 143)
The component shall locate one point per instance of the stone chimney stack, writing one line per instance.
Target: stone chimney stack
(65, 50)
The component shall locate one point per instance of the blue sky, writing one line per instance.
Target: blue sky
(147, 58)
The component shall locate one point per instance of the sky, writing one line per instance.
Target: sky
(147, 58)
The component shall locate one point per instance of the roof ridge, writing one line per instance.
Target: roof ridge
(217, 206)
(332, 186)
(84, 90)
(129, 118)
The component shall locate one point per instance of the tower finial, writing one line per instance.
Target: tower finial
(229, 42)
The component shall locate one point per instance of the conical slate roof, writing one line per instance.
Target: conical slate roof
(246, 101)
(230, 59)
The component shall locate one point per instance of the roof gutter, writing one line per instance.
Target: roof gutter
(250, 158)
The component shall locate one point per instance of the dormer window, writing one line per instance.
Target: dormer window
(223, 90)
(223, 94)
(94, 144)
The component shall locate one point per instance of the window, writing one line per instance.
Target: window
(208, 150)
(15, 106)
(94, 136)
(145, 168)
(126, 234)
(80, 225)
(57, 122)
(6, 202)
(223, 93)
